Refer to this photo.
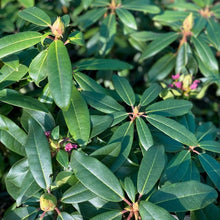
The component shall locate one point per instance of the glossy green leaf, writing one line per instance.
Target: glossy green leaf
(173, 129)
(145, 35)
(27, 3)
(140, 5)
(87, 83)
(59, 74)
(90, 17)
(149, 211)
(38, 155)
(9, 76)
(182, 58)
(185, 196)
(66, 216)
(20, 183)
(16, 42)
(62, 158)
(95, 176)
(216, 10)
(199, 24)
(38, 67)
(77, 118)
(27, 212)
(124, 90)
(212, 146)
(12, 97)
(184, 5)
(102, 64)
(176, 168)
(118, 117)
(206, 132)
(213, 31)
(144, 133)
(108, 153)
(150, 94)
(126, 18)
(107, 34)
(12, 136)
(109, 215)
(35, 16)
(102, 102)
(45, 120)
(169, 107)
(150, 169)
(212, 168)
(76, 194)
(205, 54)
(192, 173)
(130, 189)
(124, 134)
(100, 123)
(159, 44)
(11, 61)
(76, 37)
(162, 67)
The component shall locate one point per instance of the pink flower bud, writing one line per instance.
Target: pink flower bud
(177, 76)
(70, 146)
(194, 85)
(178, 84)
(47, 133)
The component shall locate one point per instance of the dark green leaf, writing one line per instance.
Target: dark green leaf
(12, 97)
(124, 90)
(185, 196)
(145, 35)
(109, 215)
(212, 146)
(59, 74)
(149, 211)
(11, 61)
(173, 129)
(16, 42)
(38, 154)
(144, 133)
(118, 117)
(182, 58)
(159, 44)
(199, 24)
(77, 118)
(35, 16)
(76, 37)
(62, 158)
(130, 189)
(212, 168)
(95, 176)
(169, 107)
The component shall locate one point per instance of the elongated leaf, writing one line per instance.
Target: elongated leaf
(109, 215)
(182, 58)
(11, 61)
(9, 76)
(96, 177)
(173, 129)
(12, 97)
(102, 64)
(170, 107)
(177, 167)
(130, 189)
(77, 193)
(150, 169)
(205, 54)
(108, 153)
(27, 3)
(199, 24)
(126, 18)
(150, 94)
(145, 35)
(118, 117)
(140, 5)
(90, 17)
(102, 102)
(67, 216)
(38, 67)
(107, 34)
(124, 90)
(16, 42)
(59, 74)
(206, 131)
(38, 154)
(157, 45)
(212, 146)
(12, 136)
(35, 16)
(192, 173)
(144, 133)
(76, 37)
(100, 123)
(212, 168)
(124, 134)
(87, 83)
(77, 118)
(62, 158)
(185, 196)
(149, 211)
(162, 67)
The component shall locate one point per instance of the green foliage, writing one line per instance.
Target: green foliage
(110, 110)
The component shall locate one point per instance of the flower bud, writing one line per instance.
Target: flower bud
(58, 28)
(48, 202)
